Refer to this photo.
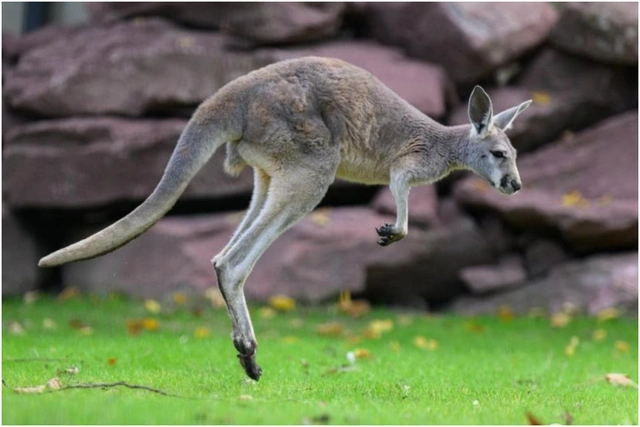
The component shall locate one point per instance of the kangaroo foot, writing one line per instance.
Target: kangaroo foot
(247, 356)
(388, 234)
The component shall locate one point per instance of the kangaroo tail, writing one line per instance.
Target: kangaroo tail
(196, 145)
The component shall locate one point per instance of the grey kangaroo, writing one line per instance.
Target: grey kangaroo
(299, 124)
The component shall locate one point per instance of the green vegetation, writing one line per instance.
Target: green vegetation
(408, 368)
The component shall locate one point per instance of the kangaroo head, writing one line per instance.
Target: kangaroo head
(491, 154)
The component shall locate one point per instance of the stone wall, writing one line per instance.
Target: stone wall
(91, 115)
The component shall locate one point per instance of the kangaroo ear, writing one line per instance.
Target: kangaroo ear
(505, 119)
(480, 110)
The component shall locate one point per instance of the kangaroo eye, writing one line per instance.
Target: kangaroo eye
(498, 154)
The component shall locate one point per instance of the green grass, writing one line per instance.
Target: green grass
(488, 370)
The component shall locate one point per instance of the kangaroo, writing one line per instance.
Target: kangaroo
(299, 124)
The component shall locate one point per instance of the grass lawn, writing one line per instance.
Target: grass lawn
(407, 369)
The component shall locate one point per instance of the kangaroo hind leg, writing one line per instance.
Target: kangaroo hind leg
(291, 195)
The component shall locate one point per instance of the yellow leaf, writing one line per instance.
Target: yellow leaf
(599, 334)
(331, 328)
(539, 97)
(267, 312)
(362, 353)
(505, 313)
(30, 390)
(179, 298)
(282, 303)
(560, 320)
(608, 314)
(16, 328)
(296, 323)
(201, 332)
(152, 306)
(574, 198)
(570, 349)
(405, 320)
(49, 324)
(620, 380)
(289, 339)
(377, 327)
(622, 346)
(320, 217)
(31, 296)
(425, 343)
(150, 324)
(86, 330)
(245, 397)
(68, 293)
(353, 308)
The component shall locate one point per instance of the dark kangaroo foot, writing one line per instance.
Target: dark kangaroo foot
(247, 356)
(388, 234)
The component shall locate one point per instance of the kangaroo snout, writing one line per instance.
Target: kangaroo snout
(509, 185)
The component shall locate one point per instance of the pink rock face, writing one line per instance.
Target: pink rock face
(591, 285)
(482, 279)
(584, 186)
(469, 40)
(85, 162)
(604, 31)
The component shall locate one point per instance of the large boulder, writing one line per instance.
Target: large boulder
(259, 23)
(127, 69)
(585, 187)
(601, 31)
(85, 162)
(484, 279)
(590, 285)
(568, 93)
(469, 39)
(20, 271)
(151, 67)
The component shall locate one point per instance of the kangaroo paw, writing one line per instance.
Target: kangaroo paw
(247, 356)
(388, 234)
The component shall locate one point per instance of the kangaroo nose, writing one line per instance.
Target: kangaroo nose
(516, 185)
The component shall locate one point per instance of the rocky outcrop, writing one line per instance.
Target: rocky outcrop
(604, 31)
(483, 279)
(88, 162)
(590, 285)
(585, 187)
(470, 40)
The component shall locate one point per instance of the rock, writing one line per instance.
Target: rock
(483, 279)
(423, 205)
(329, 251)
(133, 68)
(65, 78)
(259, 23)
(600, 31)
(19, 257)
(89, 162)
(13, 46)
(568, 93)
(591, 285)
(542, 254)
(400, 74)
(469, 39)
(580, 187)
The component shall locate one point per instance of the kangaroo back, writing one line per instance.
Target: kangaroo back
(196, 145)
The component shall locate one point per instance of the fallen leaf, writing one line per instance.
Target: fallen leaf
(152, 306)
(112, 361)
(49, 324)
(533, 420)
(317, 420)
(331, 328)
(376, 328)
(395, 346)
(179, 298)
(574, 198)
(560, 320)
(54, 384)
(320, 217)
(289, 339)
(599, 334)
(362, 353)
(76, 324)
(267, 312)
(196, 311)
(69, 371)
(472, 326)
(568, 419)
(282, 303)
(201, 332)
(215, 296)
(30, 297)
(86, 330)
(245, 397)
(505, 313)
(570, 349)
(68, 293)
(608, 314)
(540, 97)
(296, 323)
(622, 346)
(30, 390)
(620, 380)
(150, 324)
(425, 343)
(353, 308)
(134, 326)
(16, 328)
(405, 320)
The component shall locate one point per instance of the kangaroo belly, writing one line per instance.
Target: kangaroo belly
(358, 167)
